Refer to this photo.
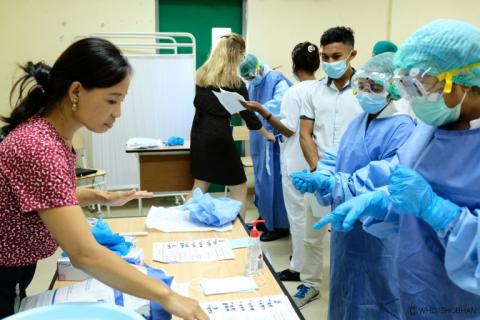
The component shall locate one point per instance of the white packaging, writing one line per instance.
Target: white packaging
(67, 272)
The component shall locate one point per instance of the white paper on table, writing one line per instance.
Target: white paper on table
(230, 100)
(90, 290)
(213, 249)
(144, 143)
(265, 308)
(228, 285)
(175, 220)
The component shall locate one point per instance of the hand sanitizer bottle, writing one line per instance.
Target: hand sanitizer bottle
(254, 264)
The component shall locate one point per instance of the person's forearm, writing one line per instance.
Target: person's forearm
(110, 269)
(309, 150)
(263, 132)
(274, 122)
(88, 197)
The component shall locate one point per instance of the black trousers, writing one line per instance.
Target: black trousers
(10, 277)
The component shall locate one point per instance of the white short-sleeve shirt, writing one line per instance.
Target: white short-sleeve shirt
(331, 110)
(291, 156)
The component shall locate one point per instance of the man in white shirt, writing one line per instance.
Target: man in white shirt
(328, 108)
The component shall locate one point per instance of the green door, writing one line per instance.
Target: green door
(198, 17)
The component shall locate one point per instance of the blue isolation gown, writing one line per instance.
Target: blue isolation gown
(265, 155)
(438, 272)
(361, 286)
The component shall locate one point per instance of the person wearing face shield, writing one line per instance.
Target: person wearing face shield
(375, 134)
(427, 195)
(267, 88)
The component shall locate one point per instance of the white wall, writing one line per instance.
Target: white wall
(274, 27)
(41, 29)
(409, 15)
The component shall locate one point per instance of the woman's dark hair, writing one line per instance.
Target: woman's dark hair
(338, 34)
(305, 56)
(94, 62)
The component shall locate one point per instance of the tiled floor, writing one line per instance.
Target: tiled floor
(277, 251)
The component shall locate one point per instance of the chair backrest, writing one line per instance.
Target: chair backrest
(241, 133)
(78, 143)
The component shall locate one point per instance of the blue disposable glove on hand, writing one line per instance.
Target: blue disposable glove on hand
(412, 194)
(373, 204)
(319, 181)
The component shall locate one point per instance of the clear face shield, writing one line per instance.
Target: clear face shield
(252, 74)
(375, 83)
(418, 84)
(424, 85)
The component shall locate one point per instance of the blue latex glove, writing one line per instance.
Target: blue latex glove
(412, 194)
(211, 211)
(373, 204)
(113, 241)
(174, 141)
(157, 312)
(318, 181)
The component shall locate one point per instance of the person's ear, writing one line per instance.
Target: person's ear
(74, 91)
(460, 90)
(353, 54)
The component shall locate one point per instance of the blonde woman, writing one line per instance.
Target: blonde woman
(214, 158)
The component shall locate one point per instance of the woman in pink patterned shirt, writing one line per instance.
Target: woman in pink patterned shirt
(39, 205)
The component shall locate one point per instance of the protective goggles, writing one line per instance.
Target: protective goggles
(416, 83)
(252, 74)
(371, 82)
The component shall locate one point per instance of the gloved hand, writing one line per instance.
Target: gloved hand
(174, 141)
(412, 194)
(373, 204)
(320, 181)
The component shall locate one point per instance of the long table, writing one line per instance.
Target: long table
(192, 272)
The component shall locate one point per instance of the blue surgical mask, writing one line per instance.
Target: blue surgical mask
(436, 113)
(335, 70)
(257, 80)
(371, 103)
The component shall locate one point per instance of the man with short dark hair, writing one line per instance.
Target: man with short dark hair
(327, 110)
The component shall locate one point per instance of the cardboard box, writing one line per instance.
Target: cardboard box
(67, 272)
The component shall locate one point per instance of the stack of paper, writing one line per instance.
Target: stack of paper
(265, 308)
(230, 100)
(90, 290)
(193, 250)
(228, 285)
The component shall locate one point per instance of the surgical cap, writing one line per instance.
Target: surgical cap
(382, 63)
(248, 65)
(384, 46)
(443, 45)
(380, 69)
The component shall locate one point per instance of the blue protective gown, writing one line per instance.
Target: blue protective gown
(438, 272)
(265, 155)
(361, 286)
